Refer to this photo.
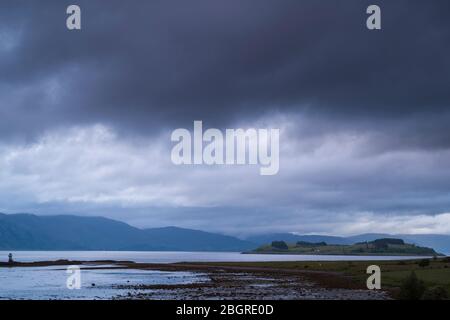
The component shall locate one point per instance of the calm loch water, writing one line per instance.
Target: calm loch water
(173, 257)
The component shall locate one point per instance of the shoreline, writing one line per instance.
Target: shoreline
(229, 281)
(291, 280)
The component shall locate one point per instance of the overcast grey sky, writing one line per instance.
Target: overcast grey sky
(86, 116)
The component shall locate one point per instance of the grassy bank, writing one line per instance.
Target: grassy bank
(393, 273)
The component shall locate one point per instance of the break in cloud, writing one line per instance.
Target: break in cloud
(85, 117)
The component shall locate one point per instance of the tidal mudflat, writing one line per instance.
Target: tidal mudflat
(180, 281)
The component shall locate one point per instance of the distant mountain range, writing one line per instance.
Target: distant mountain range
(64, 232)
(31, 232)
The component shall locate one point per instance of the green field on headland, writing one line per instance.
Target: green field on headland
(383, 247)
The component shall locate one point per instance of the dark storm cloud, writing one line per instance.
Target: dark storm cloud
(363, 114)
(141, 64)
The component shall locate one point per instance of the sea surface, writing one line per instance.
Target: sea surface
(173, 257)
(46, 283)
